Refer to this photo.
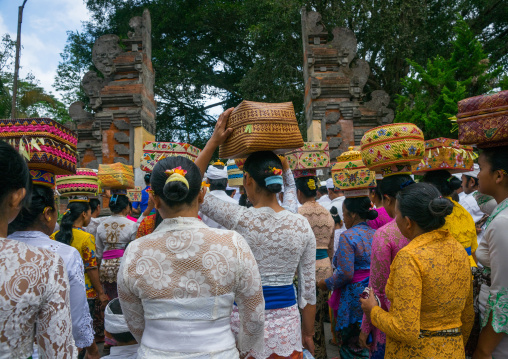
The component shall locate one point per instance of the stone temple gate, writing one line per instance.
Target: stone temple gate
(334, 82)
(122, 100)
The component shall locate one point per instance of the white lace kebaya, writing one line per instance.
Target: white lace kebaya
(283, 244)
(34, 303)
(177, 286)
(81, 320)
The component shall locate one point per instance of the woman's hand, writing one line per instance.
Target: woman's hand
(363, 340)
(221, 133)
(322, 285)
(104, 299)
(369, 303)
(308, 342)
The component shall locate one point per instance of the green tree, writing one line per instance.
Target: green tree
(231, 50)
(32, 100)
(430, 93)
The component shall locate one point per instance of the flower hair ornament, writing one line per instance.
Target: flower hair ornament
(311, 184)
(177, 175)
(276, 177)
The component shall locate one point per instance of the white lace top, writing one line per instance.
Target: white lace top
(177, 286)
(34, 302)
(81, 320)
(283, 244)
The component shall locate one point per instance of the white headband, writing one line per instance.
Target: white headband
(214, 173)
(114, 323)
(330, 184)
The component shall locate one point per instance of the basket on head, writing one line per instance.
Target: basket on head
(85, 182)
(483, 120)
(134, 195)
(445, 154)
(156, 151)
(235, 175)
(312, 155)
(259, 126)
(304, 173)
(48, 146)
(116, 176)
(352, 176)
(392, 149)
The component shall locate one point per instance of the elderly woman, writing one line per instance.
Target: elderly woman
(429, 287)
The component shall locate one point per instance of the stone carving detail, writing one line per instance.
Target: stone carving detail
(122, 99)
(334, 80)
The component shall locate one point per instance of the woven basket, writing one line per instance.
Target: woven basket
(134, 195)
(483, 120)
(116, 176)
(235, 175)
(445, 154)
(48, 146)
(85, 182)
(156, 151)
(392, 149)
(259, 126)
(352, 176)
(312, 155)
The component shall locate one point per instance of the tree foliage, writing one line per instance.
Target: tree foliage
(229, 50)
(430, 93)
(32, 101)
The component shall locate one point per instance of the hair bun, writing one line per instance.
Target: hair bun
(372, 214)
(334, 210)
(175, 191)
(274, 188)
(440, 207)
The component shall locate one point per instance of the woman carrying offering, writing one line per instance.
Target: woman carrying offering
(323, 226)
(177, 285)
(383, 217)
(282, 242)
(429, 287)
(386, 244)
(34, 290)
(113, 235)
(492, 253)
(351, 275)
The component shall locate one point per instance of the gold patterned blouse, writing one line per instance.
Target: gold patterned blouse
(461, 226)
(323, 226)
(430, 289)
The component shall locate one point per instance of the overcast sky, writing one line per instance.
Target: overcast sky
(43, 33)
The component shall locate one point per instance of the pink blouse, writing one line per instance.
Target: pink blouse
(386, 244)
(382, 219)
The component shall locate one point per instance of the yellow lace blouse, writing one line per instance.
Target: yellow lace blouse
(461, 226)
(429, 288)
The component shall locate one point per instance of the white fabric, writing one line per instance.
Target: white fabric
(322, 184)
(81, 320)
(114, 323)
(337, 203)
(283, 244)
(501, 350)
(214, 173)
(330, 184)
(336, 238)
(461, 196)
(470, 205)
(324, 200)
(474, 173)
(93, 225)
(34, 302)
(123, 352)
(185, 271)
(223, 196)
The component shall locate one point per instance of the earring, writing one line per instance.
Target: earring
(49, 218)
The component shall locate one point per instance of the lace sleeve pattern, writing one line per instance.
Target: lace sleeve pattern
(344, 261)
(290, 201)
(403, 321)
(132, 306)
(249, 300)
(226, 214)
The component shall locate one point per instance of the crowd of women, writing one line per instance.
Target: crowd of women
(395, 279)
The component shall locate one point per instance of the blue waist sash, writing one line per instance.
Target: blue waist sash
(468, 250)
(279, 297)
(321, 253)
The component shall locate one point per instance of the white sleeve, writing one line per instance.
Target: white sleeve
(307, 271)
(290, 201)
(81, 320)
(225, 213)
